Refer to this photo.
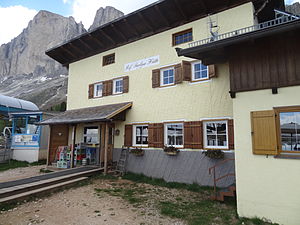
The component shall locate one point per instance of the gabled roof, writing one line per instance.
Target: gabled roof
(88, 115)
(155, 18)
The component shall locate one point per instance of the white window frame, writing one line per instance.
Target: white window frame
(162, 76)
(193, 72)
(96, 95)
(205, 135)
(134, 135)
(114, 86)
(166, 134)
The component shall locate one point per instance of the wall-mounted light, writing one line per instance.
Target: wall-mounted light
(59, 134)
(117, 132)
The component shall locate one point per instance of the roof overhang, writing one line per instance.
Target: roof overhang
(155, 18)
(218, 51)
(103, 113)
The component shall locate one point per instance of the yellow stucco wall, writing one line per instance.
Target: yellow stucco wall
(184, 101)
(267, 187)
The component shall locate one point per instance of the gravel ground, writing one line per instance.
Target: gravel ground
(20, 173)
(84, 206)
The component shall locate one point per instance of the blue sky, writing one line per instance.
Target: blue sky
(16, 14)
(56, 6)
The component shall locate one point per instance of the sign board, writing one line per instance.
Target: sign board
(151, 61)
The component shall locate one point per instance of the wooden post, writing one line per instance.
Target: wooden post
(106, 147)
(73, 144)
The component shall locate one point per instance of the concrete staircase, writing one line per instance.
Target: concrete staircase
(25, 188)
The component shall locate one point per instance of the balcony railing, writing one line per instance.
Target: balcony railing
(260, 26)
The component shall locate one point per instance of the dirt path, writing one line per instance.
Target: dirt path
(85, 206)
(20, 173)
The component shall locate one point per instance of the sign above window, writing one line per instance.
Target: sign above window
(151, 61)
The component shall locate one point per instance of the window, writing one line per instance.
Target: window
(91, 135)
(140, 135)
(199, 71)
(98, 90)
(215, 134)
(108, 59)
(183, 37)
(289, 131)
(118, 86)
(167, 76)
(174, 134)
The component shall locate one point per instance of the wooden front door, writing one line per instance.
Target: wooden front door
(111, 127)
(59, 135)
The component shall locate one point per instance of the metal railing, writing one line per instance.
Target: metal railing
(216, 179)
(260, 26)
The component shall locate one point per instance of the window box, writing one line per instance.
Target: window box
(214, 154)
(171, 150)
(137, 151)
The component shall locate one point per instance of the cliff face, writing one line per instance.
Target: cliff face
(295, 8)
(26, 72)
(25, 54)
(105, 15)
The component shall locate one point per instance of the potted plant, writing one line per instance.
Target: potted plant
(214, 154)
(171, 150)
(137, 151)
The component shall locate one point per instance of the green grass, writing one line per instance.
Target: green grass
(194, 207)
(17, 164)
(139, 178)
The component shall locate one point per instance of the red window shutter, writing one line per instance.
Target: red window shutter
(125, 84)
(212, 71)
(91, 91)
(178, 74)
(155, 78)
(193, 135)
(128, 136)
(187, 71)
(230, 134)
(156, 135)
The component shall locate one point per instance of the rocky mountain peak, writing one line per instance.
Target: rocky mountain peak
(26, 72)
(294, 8)
(105, 15)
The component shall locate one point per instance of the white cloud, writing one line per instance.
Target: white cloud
(85, 10)
(13, 20)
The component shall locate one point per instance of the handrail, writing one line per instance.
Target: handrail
(260, 26)
(221, 177)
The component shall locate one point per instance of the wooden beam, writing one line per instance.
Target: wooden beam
(136, 33)
(178, 7)
(157, 9)
(107, 36)
(76, 48)
(85, 45)
(148, 24)
(68, 51)
(119, 32)
(73, 144)
(96, 40)
(106, 147)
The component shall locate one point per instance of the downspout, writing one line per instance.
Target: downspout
(261, 8)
